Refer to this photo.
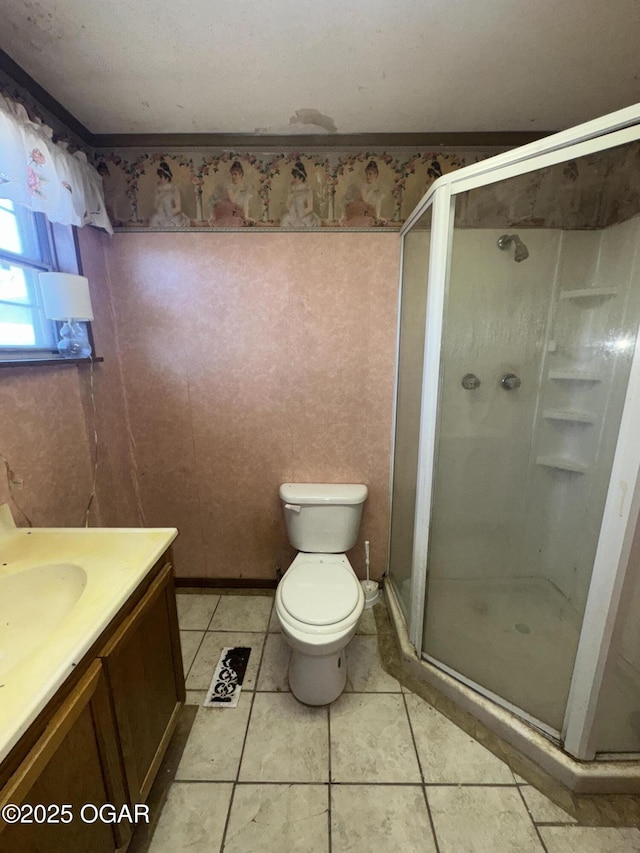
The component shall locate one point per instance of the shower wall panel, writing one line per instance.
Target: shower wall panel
(582, 389)
(486, 433)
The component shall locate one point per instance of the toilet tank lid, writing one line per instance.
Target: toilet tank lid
(323, 493)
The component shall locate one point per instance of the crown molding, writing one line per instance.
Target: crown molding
(329, 141)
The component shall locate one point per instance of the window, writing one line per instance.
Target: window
(26, 248)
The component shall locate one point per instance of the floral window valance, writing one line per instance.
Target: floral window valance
(43, 175)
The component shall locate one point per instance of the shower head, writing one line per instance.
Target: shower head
(521, 252)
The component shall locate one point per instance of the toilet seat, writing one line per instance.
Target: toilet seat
(320, 590)
(329, 632)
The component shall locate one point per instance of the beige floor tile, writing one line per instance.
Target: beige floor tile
(189, 642)
(278, 819)
(193, 818)
(201, 673)
(242, 613)
(371, 740)
(481, 819)
(590, 839)
(367, 623)
(195, 611)
(380, 818)
(214, 745)
(364, 668)
(448, 754)
(274, 622)
(542, 809)
(275, 665)
(195, 697)
(286, 742)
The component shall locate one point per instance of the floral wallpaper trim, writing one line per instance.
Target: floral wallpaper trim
(368, 190)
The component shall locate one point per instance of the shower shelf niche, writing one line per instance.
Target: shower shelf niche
(568, 416)
(588, 293)
(561, 463)
(575, 376)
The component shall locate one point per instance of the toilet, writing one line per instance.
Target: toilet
(320, 599)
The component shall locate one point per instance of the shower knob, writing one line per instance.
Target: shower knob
(470, 382)
(510, 381)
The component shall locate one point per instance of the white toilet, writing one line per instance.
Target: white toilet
(320, 599)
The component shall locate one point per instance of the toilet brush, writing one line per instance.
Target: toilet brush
(369, 587)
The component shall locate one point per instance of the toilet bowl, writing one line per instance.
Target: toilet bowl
(320, 600)
(319, 603)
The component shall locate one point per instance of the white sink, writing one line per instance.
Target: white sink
(33, 603)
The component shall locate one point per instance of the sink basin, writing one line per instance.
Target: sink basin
(33, 603)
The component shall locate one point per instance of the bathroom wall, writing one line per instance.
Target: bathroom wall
(117, 488)
(43, 436)
(249, 360)
(47, 426)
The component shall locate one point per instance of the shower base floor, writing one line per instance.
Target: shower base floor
(516, 637)
(607, 775)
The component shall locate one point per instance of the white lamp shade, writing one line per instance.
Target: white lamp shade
(65, 296)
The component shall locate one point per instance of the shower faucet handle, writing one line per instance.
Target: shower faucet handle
(510, 381)
(470, 382)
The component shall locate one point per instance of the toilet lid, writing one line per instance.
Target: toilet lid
(319, 593)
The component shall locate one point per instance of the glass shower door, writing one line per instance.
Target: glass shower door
(540, 322)
(411, 333)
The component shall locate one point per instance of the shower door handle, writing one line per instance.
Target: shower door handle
(510, 381)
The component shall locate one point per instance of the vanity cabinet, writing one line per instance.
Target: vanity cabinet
(76, 761)
(102, 739)
(143, 665)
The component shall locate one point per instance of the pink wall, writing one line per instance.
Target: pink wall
(233, 362)
(251, 359)
(43, 436)
(117, 488)
(47, 428)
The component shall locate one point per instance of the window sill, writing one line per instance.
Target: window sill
(46, 362)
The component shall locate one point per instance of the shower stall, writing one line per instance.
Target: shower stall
(514, 574)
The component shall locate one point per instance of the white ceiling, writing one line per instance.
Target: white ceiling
(206, 66)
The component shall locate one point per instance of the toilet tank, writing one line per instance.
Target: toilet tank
(323, 517)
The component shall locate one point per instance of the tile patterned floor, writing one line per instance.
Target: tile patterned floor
(378, 770)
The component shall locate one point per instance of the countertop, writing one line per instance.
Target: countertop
(114, 560)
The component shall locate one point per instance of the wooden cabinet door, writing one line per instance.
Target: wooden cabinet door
(75, 762)
(144, 670)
